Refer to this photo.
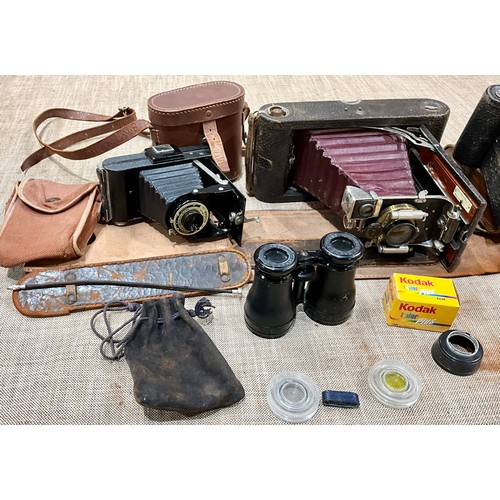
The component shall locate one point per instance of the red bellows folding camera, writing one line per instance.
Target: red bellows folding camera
(376, 164)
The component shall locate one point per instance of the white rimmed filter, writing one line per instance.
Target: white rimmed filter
(293, 396)
(394, 384)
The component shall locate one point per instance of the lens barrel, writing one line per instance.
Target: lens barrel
(330, 295)
(270, 304)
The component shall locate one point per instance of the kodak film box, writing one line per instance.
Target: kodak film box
(420, 302)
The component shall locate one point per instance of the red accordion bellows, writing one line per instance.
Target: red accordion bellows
(327, 162)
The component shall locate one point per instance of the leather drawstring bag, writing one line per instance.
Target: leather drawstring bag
(174, 364)
(48, 220)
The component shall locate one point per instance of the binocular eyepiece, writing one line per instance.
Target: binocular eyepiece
(322, 280)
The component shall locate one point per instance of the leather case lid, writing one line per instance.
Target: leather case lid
(196, 103)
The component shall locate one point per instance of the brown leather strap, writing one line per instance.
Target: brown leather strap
(215, 143)
(227, 269)
(121, 126)
(244, 116)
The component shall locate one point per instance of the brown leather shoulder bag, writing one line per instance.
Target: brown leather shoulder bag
(214, 112)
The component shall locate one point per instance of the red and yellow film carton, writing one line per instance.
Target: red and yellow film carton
(421, 302)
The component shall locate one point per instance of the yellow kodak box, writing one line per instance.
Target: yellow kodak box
(420, 302)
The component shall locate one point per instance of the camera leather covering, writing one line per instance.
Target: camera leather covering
(478, 147)
(481, 131)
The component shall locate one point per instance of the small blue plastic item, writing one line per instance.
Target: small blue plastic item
(340, 399)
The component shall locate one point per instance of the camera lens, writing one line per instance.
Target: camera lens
(190, 218)
(192, 221)
(399, 224)
(400, 233)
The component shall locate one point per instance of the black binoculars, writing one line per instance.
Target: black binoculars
(322, 280)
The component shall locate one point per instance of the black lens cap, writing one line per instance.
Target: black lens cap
(457, 352)
(341, 248)
(275, 259)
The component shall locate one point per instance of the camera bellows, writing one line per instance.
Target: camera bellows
(327, 162)
(160, 187)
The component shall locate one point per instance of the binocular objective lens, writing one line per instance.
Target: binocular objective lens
(343, 245)
(275, 259)
(276, 255)
(341, 248)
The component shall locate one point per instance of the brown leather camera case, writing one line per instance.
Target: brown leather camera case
(214, 111)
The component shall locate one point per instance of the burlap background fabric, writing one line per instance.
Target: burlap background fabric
(51, 371)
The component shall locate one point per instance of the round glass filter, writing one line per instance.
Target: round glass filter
(394, 384)
(293, 396)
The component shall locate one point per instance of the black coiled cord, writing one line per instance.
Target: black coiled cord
(202, 309)
(109, 342)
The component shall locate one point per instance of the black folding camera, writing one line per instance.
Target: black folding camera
(182, 189)
(377, 164)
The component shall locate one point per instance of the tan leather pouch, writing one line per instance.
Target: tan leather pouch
(48, 220)
(212, 111)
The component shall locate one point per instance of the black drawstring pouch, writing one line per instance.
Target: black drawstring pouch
(174, 363)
